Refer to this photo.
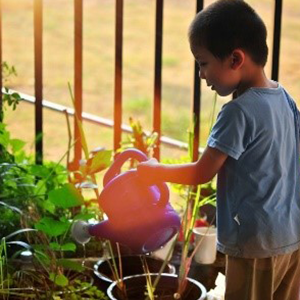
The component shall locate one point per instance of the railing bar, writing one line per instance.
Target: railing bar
(197, 99)
(276, 39)
(38, 75)
(118, 74)
(98, 120)
(78, 18)
(157, 73)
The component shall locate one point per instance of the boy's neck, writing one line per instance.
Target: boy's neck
(254, 76)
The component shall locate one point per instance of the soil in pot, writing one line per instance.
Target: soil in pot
(165, 290)
(131, 265)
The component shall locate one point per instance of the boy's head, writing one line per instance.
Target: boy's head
(226, 25)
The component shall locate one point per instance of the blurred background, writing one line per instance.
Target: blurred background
(138, 66)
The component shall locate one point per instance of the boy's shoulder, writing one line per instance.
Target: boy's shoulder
(256, 94)
(257, 101)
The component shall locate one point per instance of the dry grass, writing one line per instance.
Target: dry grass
(138, 71)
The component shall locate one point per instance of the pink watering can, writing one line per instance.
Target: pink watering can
(139, 216)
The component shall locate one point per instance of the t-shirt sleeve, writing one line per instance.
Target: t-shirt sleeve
(230, 132)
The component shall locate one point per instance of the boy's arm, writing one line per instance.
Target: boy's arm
(195, 173)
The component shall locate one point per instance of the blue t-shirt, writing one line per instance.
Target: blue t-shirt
(258, 196)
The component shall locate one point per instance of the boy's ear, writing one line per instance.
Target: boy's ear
(237, 59)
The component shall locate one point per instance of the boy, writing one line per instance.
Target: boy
(254, 149)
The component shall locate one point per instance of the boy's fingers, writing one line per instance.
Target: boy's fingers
(145, 170)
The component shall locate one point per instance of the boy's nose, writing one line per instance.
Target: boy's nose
(201, 75)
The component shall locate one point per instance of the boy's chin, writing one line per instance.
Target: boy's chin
(224, 93)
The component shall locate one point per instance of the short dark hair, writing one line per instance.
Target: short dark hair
(229, 24)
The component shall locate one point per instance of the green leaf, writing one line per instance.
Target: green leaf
(40, 188)
(55, 246)
(39, 170)
(13, 208)
(20, 243)
(17, 144)
(79, 124)
(59, 279)
(85, 217)
(4, 138)
(19, 232)
(68, 247)
(49, 206)
(71, 265)
(100, 161)
(64, 247)
(16, 96)
(66, 197)
(52, 227)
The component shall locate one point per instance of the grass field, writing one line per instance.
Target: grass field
(139, 25)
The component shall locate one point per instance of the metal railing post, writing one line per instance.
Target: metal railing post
(38, 75)
(276, 39)
(118, 74)
(78, 17)
(157, 74)
(197, 100)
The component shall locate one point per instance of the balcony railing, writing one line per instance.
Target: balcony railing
(116, 123)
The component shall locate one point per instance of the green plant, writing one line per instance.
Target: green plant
(4, 277)
(50, 209)
(10, 99)
(43, 201)
(139, 139)
(43, 277)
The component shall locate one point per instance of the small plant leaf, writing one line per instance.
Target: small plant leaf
(49, 206)
(13, 208)
(100, 161)
(39, 171)
(17, 144)
(59, 279)
(52, 227)
(66, 197)
(71, 265)
(20, 243)
(64, 247)
(85, 217)
(68, 247)
(19, 232)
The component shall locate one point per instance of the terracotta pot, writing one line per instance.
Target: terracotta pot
(165, 290)
(131, 265)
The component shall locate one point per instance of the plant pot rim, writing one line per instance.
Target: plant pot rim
(109, 280)
(195, 282)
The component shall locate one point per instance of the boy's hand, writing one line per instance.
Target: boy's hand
(146, 171)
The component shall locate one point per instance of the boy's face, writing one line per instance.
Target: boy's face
(219, 74)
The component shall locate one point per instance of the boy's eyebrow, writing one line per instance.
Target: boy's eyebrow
(198, 56)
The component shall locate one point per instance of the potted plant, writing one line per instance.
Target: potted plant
(129, 265)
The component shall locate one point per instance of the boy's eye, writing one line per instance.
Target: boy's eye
(202, 64)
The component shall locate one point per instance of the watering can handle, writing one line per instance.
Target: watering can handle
(140, 156)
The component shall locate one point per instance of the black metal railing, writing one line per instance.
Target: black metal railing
(157, 100)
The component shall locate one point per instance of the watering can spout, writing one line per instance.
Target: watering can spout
(106, 230)
(83, 231)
